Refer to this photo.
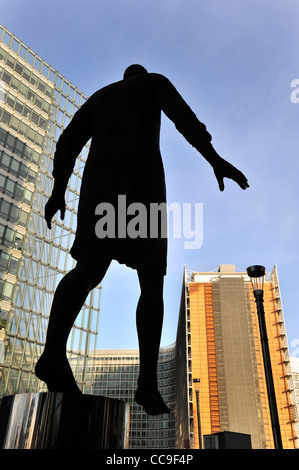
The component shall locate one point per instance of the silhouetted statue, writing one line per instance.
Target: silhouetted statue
(123, 121)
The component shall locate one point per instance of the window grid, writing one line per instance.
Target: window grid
(32, 259)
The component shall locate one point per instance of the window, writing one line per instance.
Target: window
(3, 55)
(4, 208)
(46, 107)
(10, 100)
(15, 123)
(30, 58)
(19, 106)
(71, 93)
(45, 70)
(42, 86)
(52, 76)
(42, 123)
(31, 96)
(18, 241)
(62, 102)
(67, 218)
(2, 182)
(6, 118)
(31, 176)
(61, 260)
(27, 112)
(33, 79)
(38, 101)
(35, 118)
(23, 52)
(14, 213)
(23, 218)
(31, 134)
(27, 198)
(19, 147)
(57, 132)
(14, 166)
(5, 162)
(65, 88)
(19, 68)
(15, 84)
(4, 260)
(37, 64)
(6, 78)
(60, 117)
(49, 91)
(23, 129)
(13, 265)
(78, 98)
(69, 107)
(66, 121)
(58, 83)
(9, 187)
(6, 38)
(15, 45)
(7, 291)
(48, 185)
(26, 74)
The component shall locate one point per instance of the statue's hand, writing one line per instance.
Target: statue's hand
(54, 204)
(224, 169)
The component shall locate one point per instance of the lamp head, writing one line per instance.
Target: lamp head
(257, 275)
(196, 384)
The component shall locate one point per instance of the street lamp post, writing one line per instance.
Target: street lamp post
(196, 386)
(257, 273)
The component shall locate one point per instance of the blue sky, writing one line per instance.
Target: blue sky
(233, 62)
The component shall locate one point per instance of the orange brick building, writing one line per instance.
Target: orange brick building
(218, 342)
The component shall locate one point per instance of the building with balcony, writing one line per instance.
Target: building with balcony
(218, 343)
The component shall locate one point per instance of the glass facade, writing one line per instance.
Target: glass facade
(114, 374)
(36, 104)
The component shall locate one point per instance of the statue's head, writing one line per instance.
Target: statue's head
(134, 69)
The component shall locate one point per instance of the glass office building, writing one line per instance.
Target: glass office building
(36, 104)
(218, 342)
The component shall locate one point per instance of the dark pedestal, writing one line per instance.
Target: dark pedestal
(63, 421)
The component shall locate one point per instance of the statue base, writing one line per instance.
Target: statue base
(63, 421)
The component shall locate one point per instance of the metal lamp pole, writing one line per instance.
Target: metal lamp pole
(196, 386)
(257, 273)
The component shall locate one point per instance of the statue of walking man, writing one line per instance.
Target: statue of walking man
(123, 122)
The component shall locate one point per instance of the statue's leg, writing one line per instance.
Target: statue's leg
(149, 318)
(53, 367)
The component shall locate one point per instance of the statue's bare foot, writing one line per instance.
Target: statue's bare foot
(151, 401)
(57, 374)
